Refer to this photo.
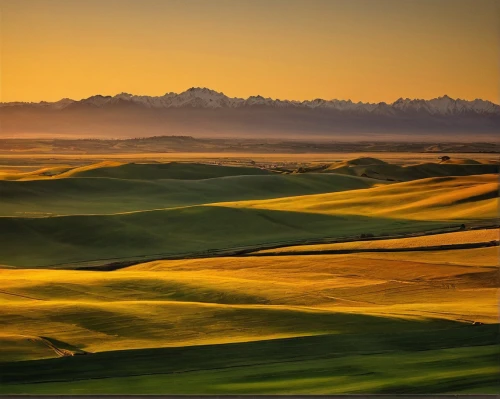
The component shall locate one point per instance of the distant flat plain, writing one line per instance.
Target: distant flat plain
(396, 157)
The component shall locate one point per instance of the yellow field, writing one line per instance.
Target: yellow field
(484, 257)
(218, 300)
(231, 321)
(460, 237)
(440, 198)
(393, 157)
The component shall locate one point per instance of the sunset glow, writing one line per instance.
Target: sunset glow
(359, 49)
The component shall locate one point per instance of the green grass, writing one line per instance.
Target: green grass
(96, 229)
(376, 169)
(170, 170)
(440, 198)
(104, 195)
(135, 171)
(369, 323)
(65, 239)
(437, 360)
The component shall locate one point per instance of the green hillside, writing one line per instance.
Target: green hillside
(376, 169)
(439, 360)
(141, 279)
(439, 198)
(105, 195)
(170, 170)
(63, 239)
(399, 207)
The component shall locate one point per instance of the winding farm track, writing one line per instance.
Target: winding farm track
(19, 295)
(60, 352)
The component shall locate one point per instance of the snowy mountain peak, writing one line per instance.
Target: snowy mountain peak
(125, 96)
(202, 90)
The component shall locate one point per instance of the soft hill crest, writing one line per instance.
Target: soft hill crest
(98, 195)
(365, 161)
(445, 198)
(139, 171)
(464, 162)
(380, 170)
(170, 170)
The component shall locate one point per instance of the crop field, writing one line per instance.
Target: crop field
(481, 236)
(191, 278)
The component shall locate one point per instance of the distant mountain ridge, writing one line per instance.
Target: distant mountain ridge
(201, 112)
(196, 97)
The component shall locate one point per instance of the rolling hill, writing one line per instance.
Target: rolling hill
(174, 303)
(197, 230)
(432, 241)
(139, 171)
(172, 228)
(169, 170)
(65, 195)
(154, 279)
(377, 169)
(251, 325)
(440, 198)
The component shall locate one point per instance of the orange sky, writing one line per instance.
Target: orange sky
(365, 50)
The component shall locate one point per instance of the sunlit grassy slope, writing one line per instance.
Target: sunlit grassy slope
(488, 257)
(402, 207)
(377, 169)
(170, 170)
(445, 198)
(459, 360)
(138, 171)
(350, 301)
(384, 322)
(455, 238)
(23, 347)
(176, 302)
(38, 174)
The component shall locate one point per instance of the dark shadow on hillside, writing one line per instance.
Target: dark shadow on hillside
(198, 230)
(177, 360)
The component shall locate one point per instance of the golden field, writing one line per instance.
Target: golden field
(189, 278)
(455, 238)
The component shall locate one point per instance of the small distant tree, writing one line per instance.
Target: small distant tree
(444, 158)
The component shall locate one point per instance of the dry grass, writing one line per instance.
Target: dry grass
(22, 347)
(37, 174)
(461, 237)
(487, 257)
(234, 299)
(444, 198)
(186, 302)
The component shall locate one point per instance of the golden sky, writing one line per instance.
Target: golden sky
(364, 50)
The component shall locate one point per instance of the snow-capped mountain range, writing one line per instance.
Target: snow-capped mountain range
(205, 98)
(201, 112)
